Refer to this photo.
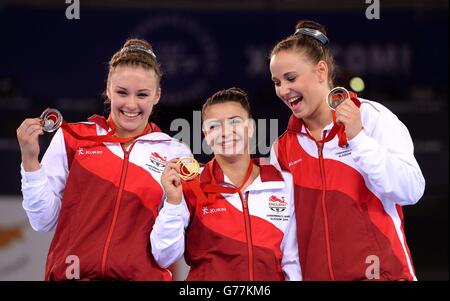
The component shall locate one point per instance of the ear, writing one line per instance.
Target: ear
(157, 96)
(207, 140)
(251, 127)
(322, 71)
(108, 93)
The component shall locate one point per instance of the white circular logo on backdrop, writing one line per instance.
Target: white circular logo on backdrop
(186, 52)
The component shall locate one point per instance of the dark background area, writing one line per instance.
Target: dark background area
(47, 60)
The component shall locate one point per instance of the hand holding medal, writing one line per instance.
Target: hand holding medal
(346, 113)
(176, 171)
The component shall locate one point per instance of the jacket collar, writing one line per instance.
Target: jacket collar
(269, 176)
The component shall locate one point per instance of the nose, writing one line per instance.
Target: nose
(131, 101)
(283, 90)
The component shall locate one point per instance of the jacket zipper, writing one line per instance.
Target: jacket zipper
(116, 208)
(324, 210)
(248, 232)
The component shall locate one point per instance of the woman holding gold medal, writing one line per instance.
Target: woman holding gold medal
(352, 163)
(99, 181)
(236, 220)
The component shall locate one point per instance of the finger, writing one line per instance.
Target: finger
(173, 160)
(346, 105)
(174, 179)
(29, 127)
(341, 119)
(349, 103)
(174, 173)
(31, 121)
(174, 166)
(170, 167)
(22, 126)
(33, 128)
(36, 133)
(170, 174)
(347, 111)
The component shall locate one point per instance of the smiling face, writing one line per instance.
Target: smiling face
(133, 92)
(299, 83)
(227, 129)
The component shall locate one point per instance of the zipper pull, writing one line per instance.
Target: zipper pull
(245, 201)
(320, 147)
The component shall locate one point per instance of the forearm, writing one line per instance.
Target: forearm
(41, 205)
(167, 236)
(394, 175)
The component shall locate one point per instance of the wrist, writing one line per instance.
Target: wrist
(173, 201)
(30, 164)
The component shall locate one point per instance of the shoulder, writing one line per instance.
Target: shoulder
(173, 147)
(373, 108)
(373, 112)
(287, 177)
(82, 125)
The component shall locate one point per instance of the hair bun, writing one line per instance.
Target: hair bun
(310, 24)
(137, 42)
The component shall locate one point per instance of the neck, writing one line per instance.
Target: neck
(320, 118)
(125, 134)
(119, 132)
(235, 168)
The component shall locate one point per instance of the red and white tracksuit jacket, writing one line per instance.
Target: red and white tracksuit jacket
(348, 200)
(240, 236)
(102, 199)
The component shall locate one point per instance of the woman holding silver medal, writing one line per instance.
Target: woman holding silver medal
(236, 220)
(352, 163)
(96, 183)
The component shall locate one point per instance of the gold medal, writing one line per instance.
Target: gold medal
(189, 168)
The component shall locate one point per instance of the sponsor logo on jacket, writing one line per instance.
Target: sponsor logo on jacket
(295, 162)
(206, 210)
(84, 152)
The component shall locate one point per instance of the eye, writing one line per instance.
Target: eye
(142, 95)
(291, 78)
(212, 126)
(121, 93)
(235, 121)
(276, 83)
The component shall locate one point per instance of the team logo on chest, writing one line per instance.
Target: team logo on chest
(277, 204)
(157, 162)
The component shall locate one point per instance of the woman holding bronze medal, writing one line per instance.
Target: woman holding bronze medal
(352, 163)
(99, 181)
(236, 220)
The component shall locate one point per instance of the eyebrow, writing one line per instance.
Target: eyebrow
(235, 117)
(218, 120)
(289, 73)
(140, 90)
(286, 74)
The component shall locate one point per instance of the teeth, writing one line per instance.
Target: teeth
(291, 100)
(130, 114)
(228, 142)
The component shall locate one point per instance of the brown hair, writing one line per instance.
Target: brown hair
(314, 50)
(226, 95)
(136, 53)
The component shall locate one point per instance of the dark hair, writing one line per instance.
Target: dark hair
(137, 53)
(227, 95)
(314, 50)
